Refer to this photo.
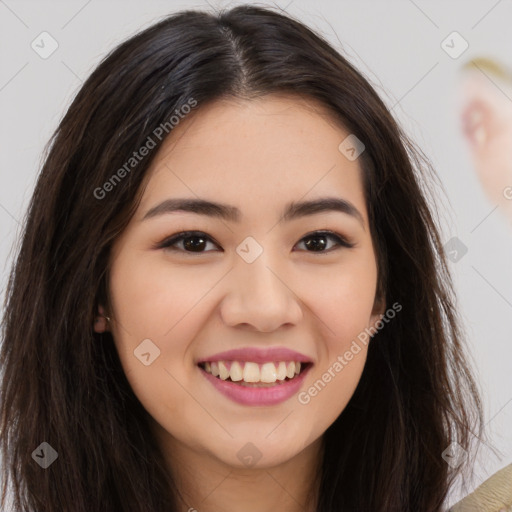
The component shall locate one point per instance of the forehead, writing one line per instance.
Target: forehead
(257, 155)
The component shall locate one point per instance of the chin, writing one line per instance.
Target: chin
(257, 451)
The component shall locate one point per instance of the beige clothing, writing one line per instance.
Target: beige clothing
(494, 495)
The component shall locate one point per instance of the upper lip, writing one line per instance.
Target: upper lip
(258, 355)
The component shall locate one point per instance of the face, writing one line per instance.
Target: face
(254, 295)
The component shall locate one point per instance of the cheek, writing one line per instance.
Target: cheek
(151, 297)
(342, 352)
(153, 315)
(343, 306)
(342, 299)
(331, 387)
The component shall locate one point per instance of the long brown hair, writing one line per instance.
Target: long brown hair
(63, 384)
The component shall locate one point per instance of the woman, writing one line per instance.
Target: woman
(191, 342)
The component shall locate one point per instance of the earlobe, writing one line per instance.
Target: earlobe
(379, 304)
(378, 311)
(101, 322)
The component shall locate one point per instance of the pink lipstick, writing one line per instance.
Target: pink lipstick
(255, 376)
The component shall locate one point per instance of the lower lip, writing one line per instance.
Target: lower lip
(258, 396)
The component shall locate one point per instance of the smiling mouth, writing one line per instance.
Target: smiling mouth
(251, 374)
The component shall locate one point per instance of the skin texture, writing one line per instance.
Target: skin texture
(256, 155)
(486, 114)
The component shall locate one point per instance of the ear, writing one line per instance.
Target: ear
(485, 105)
(379, 308)
(486, 116)
(100, 322)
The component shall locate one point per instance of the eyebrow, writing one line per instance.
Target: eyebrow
(292, 210)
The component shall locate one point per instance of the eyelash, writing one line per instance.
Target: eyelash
(178, 237)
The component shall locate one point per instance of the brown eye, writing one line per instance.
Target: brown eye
(317, 241)
(196, 242)
(192, 241)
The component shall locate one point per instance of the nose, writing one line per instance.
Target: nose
(259, 297)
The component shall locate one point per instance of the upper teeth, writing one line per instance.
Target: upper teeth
(253, 372)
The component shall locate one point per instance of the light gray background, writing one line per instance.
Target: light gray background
(396, 44)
